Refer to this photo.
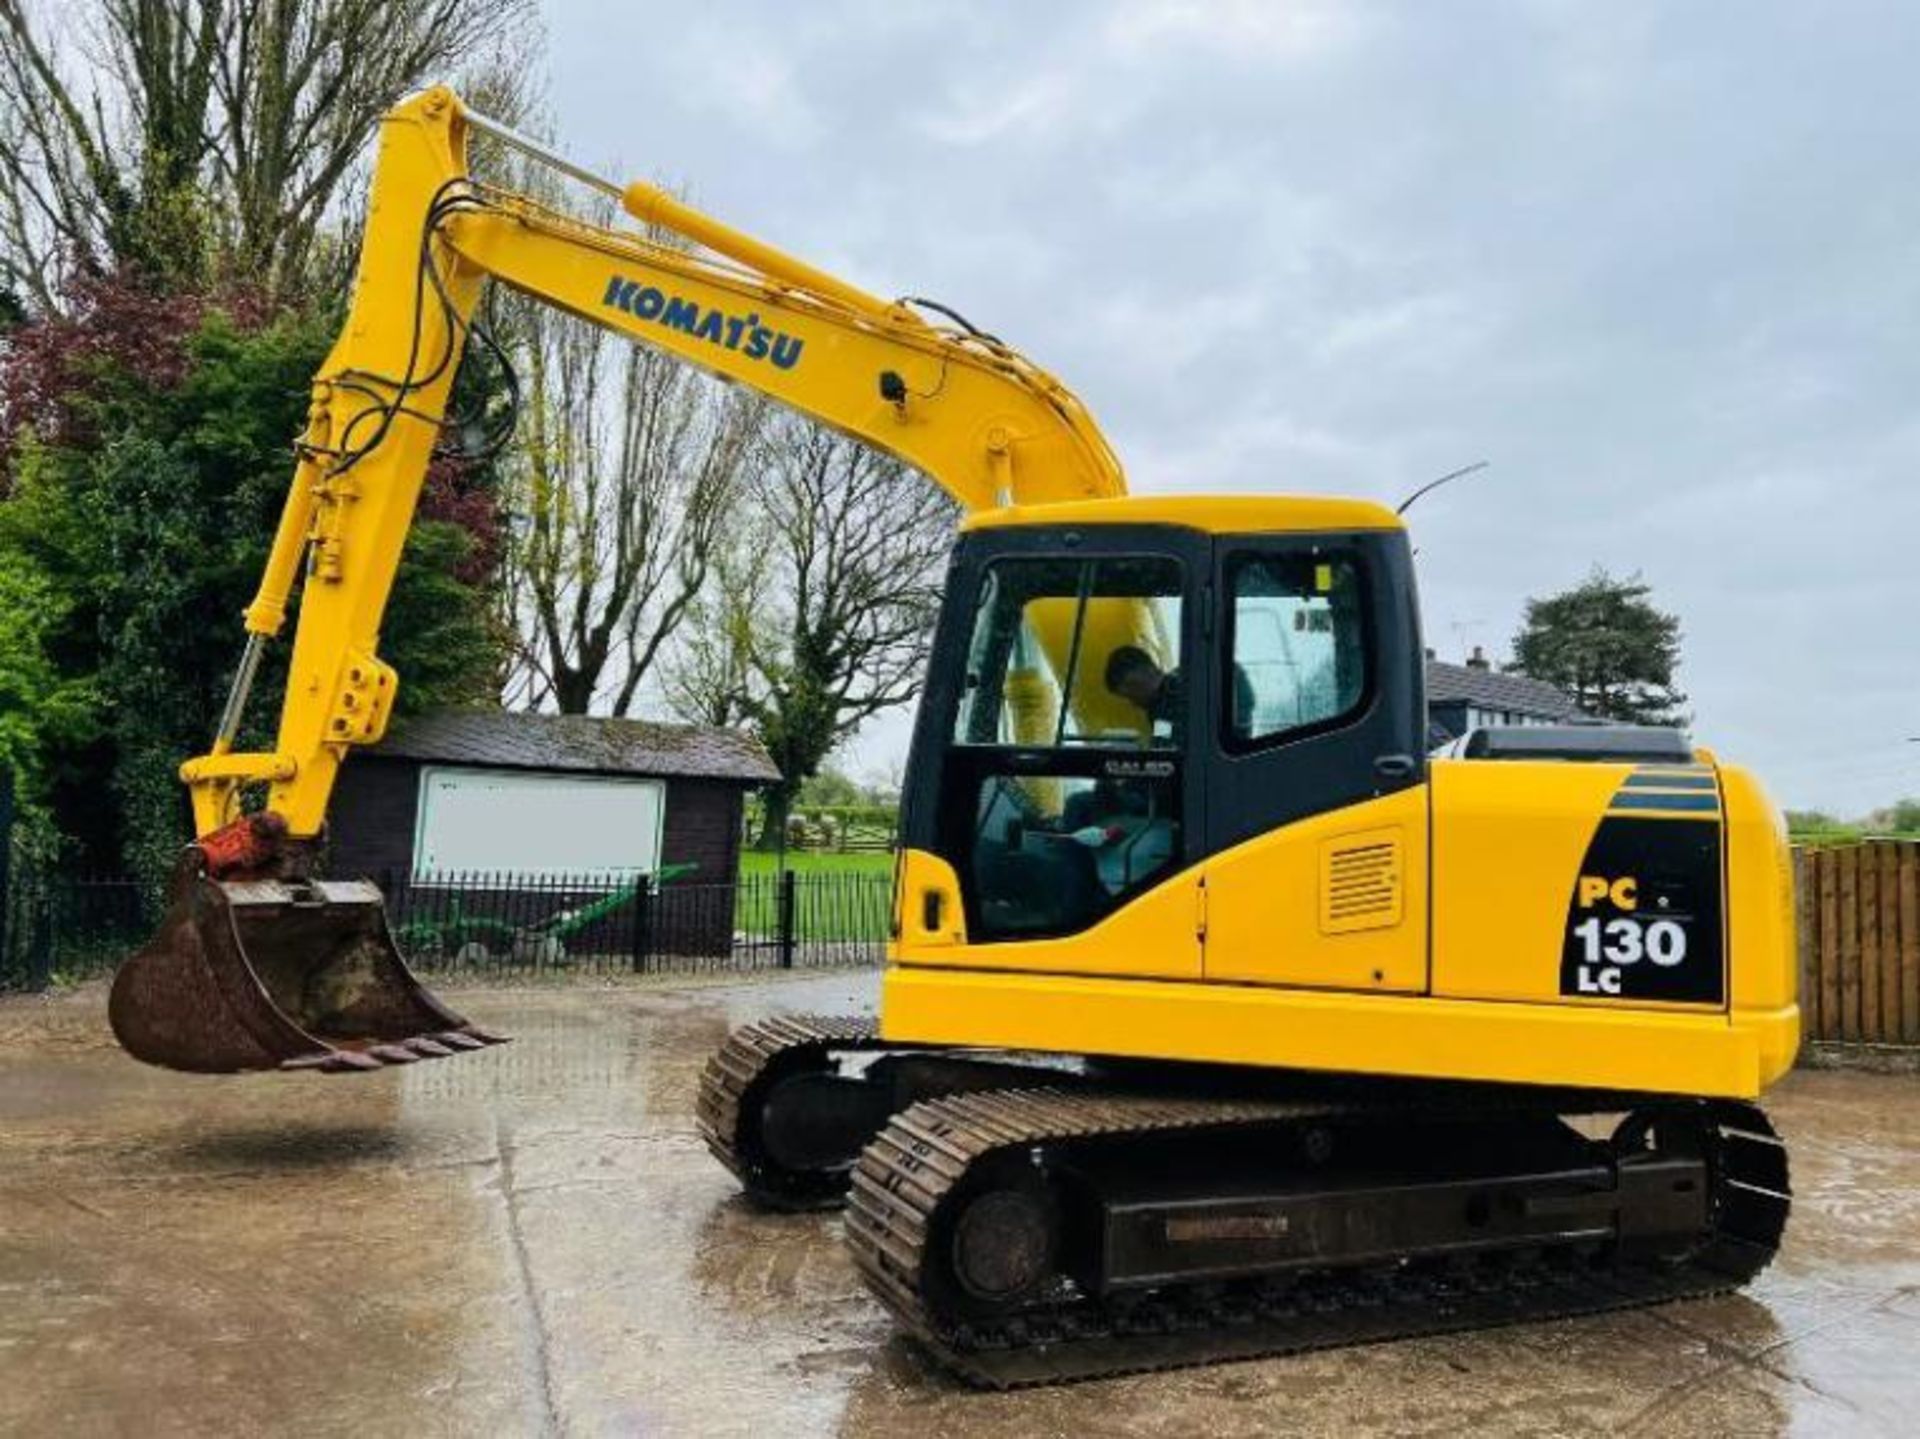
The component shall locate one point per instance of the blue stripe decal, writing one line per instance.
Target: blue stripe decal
(1697, 803)
(1643, 780)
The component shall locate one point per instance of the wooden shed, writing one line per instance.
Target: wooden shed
(467, 792)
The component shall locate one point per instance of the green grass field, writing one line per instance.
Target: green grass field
(755, 862)
(837, 896)
(1844, 834)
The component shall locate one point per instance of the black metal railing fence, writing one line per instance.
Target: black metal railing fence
(487, 922)
(57, 927)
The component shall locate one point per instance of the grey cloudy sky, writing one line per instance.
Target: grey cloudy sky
(1659, 263)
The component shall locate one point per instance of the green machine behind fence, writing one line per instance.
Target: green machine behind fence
(477, 936)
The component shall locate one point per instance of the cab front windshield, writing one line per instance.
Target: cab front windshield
(1074, 652)
(1065, 741)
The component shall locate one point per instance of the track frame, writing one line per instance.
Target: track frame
(1033, 1220)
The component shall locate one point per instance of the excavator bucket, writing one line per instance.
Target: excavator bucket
(278, 974)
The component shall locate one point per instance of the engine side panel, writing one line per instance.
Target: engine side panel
(1589, 884)
(1335, 901)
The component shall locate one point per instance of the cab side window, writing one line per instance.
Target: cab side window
(1298, 646)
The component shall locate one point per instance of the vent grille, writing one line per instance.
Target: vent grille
(1362, 884)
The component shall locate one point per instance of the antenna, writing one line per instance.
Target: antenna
(1447, 478)
(1462, 628)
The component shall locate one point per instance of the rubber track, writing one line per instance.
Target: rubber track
(905, 1174)
(753, 1052)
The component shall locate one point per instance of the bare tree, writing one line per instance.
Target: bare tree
(108, 166)
(184, 137)
(709, 673)
(859, 551)
(300, 86)
(624, 478)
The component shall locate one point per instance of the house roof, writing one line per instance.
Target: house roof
(1494, 690)
(578, 743)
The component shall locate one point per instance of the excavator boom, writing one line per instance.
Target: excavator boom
(259, 963)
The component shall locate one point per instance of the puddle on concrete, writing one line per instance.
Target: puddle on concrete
(533, 1238)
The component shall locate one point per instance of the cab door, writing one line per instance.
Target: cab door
(1316, 813)
(1060, 813)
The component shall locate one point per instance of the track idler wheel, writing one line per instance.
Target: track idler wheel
(801, 1129)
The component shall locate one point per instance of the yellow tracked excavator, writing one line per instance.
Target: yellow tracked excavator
(1220, 1018)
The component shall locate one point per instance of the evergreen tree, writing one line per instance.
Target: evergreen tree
(1608, 646)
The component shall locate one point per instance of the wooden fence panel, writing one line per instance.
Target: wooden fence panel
(1857, 909)
(1869, 902)
(1829, 944)
(1849, 942)
(1910, 944)
(1891, 941)
(1806, 924)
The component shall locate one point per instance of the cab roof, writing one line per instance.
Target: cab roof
(1213, 514)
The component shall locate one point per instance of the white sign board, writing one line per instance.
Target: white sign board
(527, 823)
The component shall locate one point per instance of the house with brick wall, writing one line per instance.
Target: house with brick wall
(1475, 695)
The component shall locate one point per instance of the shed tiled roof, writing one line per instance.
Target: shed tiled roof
(1493, 690)
(578, 743)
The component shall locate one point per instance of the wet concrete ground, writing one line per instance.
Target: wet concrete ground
(531, 1240)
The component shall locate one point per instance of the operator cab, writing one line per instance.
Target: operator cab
(1121, 688)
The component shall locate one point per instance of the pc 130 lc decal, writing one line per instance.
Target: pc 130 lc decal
(1644, 920)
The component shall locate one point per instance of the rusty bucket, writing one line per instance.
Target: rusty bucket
(278, 974)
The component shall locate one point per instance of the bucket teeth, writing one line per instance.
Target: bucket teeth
(347, 1061)
(379, 1056)
(332, 1061)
